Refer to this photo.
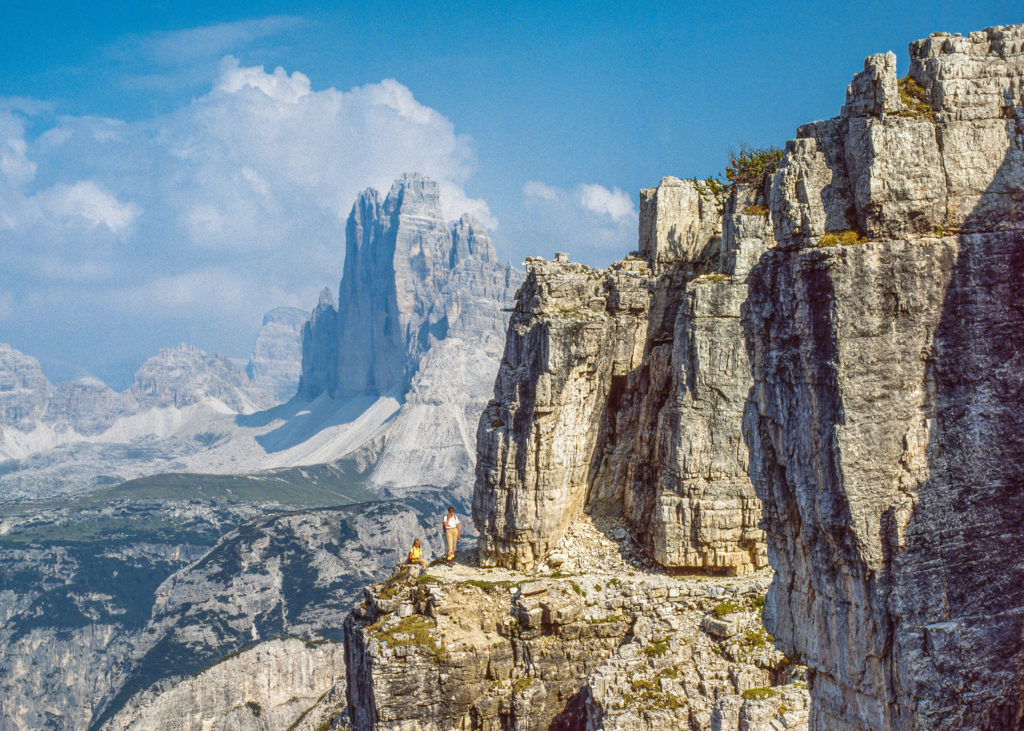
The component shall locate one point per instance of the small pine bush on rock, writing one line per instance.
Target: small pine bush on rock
(749, 164)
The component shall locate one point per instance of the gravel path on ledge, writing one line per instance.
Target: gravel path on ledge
(594, 550)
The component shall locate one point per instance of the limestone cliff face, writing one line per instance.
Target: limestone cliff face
(574, 331)
(276, 359)
(885, 425)
(621, 391)
(410, 280)
(860, 313)
(276, 684)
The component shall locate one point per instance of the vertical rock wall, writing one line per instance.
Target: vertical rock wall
(574, 331)
(674, 457)
(409, 282)
(885, 423)
(621, 391)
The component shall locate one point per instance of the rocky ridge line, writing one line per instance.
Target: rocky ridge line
(411, 280)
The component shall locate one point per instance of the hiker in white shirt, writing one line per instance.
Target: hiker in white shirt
(452, 532)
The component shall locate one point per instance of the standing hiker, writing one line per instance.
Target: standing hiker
(452, 532)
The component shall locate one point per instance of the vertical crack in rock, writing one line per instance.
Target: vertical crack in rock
(621, 392)
(884, 423)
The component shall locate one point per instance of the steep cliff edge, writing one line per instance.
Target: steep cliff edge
(621, 393)
(885, 424)
(875, 278)
(608, 645)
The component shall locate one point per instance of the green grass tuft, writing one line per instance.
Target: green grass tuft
(914, 98)
(848, 237)
(415, 630)
(522, 684)
(657, 648)
(726, 608)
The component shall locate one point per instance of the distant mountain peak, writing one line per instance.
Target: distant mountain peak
(406, 270)
(326, 298)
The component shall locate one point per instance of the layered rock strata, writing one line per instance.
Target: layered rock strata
(608, 648)
(410, 280)
(621, 391)
(885, 423)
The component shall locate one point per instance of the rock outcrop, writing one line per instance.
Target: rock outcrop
(186, 375)
(274, 685)
(611, 647)
(885, 425)
(275, 364)
(621, 391)
(24, 390)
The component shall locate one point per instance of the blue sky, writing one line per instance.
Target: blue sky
(157, 186)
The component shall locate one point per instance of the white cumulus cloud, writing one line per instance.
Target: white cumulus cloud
(614, 203)
(232, 204)
(279, 86)
(88, 201)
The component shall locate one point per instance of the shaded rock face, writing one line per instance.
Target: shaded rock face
(276, 360)
(24, 390)
(885, 426)
(621, 391)
(271, 686)
(410, 281)
(66, 628)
